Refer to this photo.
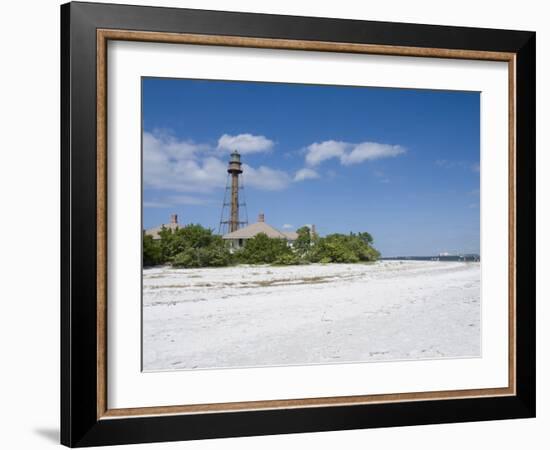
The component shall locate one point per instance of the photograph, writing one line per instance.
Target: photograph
(298, 224)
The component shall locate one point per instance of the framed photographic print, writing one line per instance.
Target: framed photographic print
(276, 224)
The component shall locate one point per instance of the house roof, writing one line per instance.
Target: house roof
(156, 230)
(256, 228)
(291, 235)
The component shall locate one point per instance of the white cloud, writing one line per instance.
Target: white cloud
(163, 142)
(287, 226)
(245, 143)
(184, 175)
(316, 153)
(170, 163)
(265, 178)
(367, 151)
(184, 166)
(349, 153)
(305, 174)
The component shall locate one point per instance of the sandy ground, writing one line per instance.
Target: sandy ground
(261, 316)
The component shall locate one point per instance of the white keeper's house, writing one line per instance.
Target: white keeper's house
(239, 237)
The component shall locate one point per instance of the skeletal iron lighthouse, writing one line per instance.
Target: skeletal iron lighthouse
(232, 189)
(234, 170)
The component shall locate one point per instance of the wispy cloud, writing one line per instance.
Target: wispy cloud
(287, 226)
(445, 163)
(187, 200)
(175, 200)
(350, 153)
(245, 143)
(265, 178)
(370, 151)
(305, 174)
(381, 176)
(452, 164)
(155, 204)
(162, 142)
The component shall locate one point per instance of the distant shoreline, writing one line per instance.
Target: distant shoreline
(451, 258)
(465, 258)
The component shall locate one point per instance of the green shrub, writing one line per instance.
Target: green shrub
(190, 246)
(211, 256)
(341, 248)
(187, 258)
(152, 254)
(219, 256)
(174, 242)
(287, 259)
(262, 249)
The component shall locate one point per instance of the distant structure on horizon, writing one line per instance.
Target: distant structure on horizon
(465, 257)
(173, 225)
(232, 204)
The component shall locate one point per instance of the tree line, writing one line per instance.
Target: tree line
(196, 246)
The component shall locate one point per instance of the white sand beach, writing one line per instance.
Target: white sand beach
(250, 316)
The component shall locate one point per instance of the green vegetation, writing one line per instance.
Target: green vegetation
(303, 244)
(152, 254)
(263, 250)
(190, 246)
(196, 246)
(342, 248)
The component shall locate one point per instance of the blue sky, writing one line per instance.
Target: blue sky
(402, 164)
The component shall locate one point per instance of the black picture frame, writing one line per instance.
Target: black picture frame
(80, 425)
